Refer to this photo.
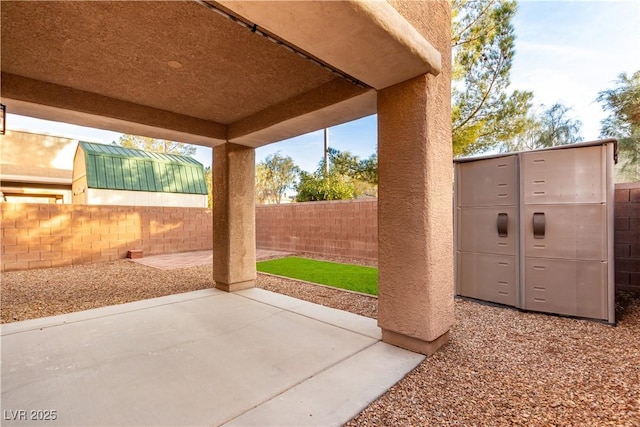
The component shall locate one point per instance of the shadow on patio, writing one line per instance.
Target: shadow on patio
(201, 358)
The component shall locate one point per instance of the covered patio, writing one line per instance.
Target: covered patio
(206, 357)
(236, 75)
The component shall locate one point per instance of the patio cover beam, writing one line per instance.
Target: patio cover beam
(50, 101)
(368, 40)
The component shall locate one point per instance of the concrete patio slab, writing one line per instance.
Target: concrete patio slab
(201, 358)
(340, 318)
(301, 405)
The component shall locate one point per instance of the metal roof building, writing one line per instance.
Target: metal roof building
(114, 175)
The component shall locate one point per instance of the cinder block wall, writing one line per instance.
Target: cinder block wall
(41, 235)
(37, 236)
(627, 238)
(317, 227)
(344, 228)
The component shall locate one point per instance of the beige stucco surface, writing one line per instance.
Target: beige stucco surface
(368, 37)
(331, 104)
(214, 52)
(51, 101)
(35, 156)
(234, 266)
(415, 202)
(35, 167)
(182, 71)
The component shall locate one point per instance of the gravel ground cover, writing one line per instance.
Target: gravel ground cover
(500, 367)
(503, 367)
(30, 294)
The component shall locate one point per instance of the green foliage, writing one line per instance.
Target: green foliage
(484, 113)
(342, 162)
(156, 145)
(352, 166)
(556, 128)
(368, 169)
(274, 176)
(319, 186)
(208, 176)
(553, 126)
(345, 276)
(363, 172)
(623, 123)
(348, 177)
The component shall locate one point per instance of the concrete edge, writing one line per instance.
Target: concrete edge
(342, 319)
(274, 299)
(111, 310)
(337, 394)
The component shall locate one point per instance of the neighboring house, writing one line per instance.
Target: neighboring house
(114, 175)
(36, 168)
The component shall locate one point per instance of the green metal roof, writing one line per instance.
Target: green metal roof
(117, 168)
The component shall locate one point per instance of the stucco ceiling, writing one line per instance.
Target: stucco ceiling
(129, 51)
(168, 69)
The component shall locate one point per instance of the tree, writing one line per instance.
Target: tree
(322, 185)
(484, 113)
(347, 177)
(156, 145)
(363, 172)
(553, 126)
(368, 169)
(208, 176)
(556, 128)
(348, 164)
(274, 176)
(623, 123)
(342, 162)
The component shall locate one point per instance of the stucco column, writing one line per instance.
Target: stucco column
(234, 224)
(415, 220)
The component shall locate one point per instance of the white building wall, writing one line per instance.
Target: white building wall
(144, 198)
(34, 194)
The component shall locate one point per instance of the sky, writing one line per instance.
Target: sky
(566, 51)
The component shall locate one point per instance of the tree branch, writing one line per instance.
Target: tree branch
(485, 96)
(474, 39)
(474, 21)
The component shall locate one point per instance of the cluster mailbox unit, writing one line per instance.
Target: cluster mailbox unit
(534, 230)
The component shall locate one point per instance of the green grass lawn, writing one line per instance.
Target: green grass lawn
(344, 276)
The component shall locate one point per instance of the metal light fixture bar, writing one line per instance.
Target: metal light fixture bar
(273, 38)
(3, 118)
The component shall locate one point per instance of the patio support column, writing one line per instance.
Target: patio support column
(415, 220)
(234, 234)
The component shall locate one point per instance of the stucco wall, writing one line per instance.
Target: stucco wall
(627, 238)
(345, 228)
(39, 174)
(47, 156)
(41, 235)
